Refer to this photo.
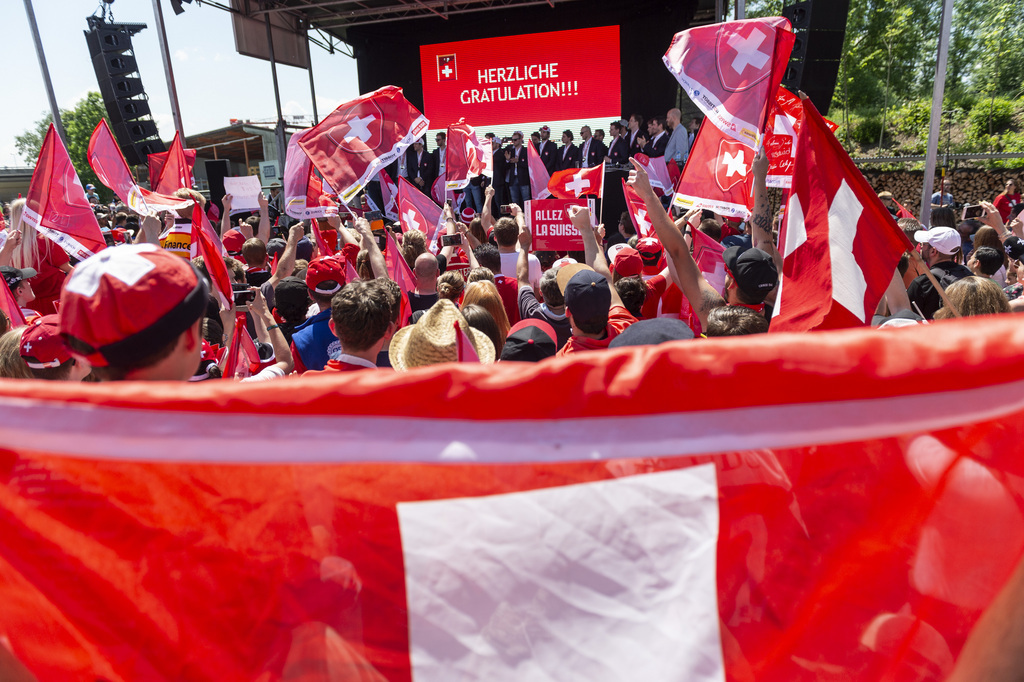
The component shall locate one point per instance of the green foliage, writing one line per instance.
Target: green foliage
(79, 123)
(990, 116)
(866, 129)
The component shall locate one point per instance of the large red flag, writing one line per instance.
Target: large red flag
(708, 255)
(539, 176)
(732, 70)
(465, 156)
(657, 173)
(213, 258)
(849, 522)
(56, 205)
(717, 175)
(173, 169)
(108, 163)
(362, 136)
(573, 183)
(780, 137)
(416, 211)
(638, 211)
(840, 245)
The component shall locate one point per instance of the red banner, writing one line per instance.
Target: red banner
(559, 75)
(780, 137)
(550, 225)
(850, 523)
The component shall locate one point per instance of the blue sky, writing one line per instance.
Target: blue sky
(214, 82)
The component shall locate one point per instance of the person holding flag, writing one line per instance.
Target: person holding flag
(32, 251)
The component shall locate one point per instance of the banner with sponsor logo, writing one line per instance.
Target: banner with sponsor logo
(550, 225)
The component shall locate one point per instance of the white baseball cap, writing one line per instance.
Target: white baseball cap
(943, 239)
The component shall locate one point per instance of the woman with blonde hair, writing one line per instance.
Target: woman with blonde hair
(974, 296)
(11, 364)
(38, 253)
(486, 295)
(451, 286)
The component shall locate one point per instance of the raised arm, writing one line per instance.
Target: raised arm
(268, 331)
(761, 220)
(225, 216)
(149, 231)
(377, 264)
(486, 217)
(702, 297)
(286, 264)
(523, 259)
(263, 230)
(580, 217)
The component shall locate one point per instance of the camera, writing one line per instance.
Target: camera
(382, 238)
(451, 240)
(243, 294)
(506, 209)
(973, 212)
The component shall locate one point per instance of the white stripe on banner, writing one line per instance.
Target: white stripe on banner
(180, 436)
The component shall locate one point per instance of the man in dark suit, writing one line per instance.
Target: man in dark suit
(618, 150)
(421, 167)
(636, 121)
(592, 152)
(654, 146)
(547, 150)
(518, 174)
(438, 154)
(568, 154)
(500, 170)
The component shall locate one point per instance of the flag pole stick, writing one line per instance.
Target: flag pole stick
(54, 109)
(936, 115)
(931, 278)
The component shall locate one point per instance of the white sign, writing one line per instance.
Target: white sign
(244, 192)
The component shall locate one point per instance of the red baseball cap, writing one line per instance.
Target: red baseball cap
(233, 240)
(627, 262)
(650, 250)
(326, 275)
(41, 344)
(124, 303)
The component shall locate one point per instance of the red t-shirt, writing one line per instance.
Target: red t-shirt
(655, 290)
(618, 319)
(335, 366)
(508, 289)
(48, 283)
(1004, 202)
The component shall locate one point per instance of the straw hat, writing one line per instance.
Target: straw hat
(432, 340)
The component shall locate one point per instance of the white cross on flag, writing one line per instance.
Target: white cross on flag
(780, 137)
(573, 183)
(717, 175)
(362, 136)
(638, 212)
(732, 70)
(417, 212)
(839, 245)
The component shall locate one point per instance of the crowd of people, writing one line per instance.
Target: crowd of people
(323, 296)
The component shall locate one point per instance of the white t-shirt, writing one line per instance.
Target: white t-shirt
(508, 267)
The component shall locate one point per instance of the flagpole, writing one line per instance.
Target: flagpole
(54, 111)
(165, 55)
(938, 93)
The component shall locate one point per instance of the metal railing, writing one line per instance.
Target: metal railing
(950, 157)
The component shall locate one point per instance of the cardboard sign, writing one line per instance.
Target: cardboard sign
(550, 225)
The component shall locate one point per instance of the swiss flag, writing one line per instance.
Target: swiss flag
(638, 212)
(389, 193)
(213, 258)
(447, 69)
(851, 523)
(717, 175)
(902, 211)
(840, 246)
(732, 70)
(400, 272)
(56, 205)
(438, 192)
(539, 176)
(108, 163)
(362, 136)
(708, 255)
(780, 137)
(465, 156)
(417, 212)
(172, 170)
(573, 183)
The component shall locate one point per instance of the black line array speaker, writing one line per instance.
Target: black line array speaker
(117, 72)
(216, 170)
(820, 26)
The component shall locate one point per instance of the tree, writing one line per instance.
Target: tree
(79, 123)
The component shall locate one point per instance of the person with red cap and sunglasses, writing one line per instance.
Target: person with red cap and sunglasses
(135, 313)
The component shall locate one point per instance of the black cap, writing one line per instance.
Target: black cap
(652, 332)
(753, 270)
(14, 276)
(530, 340)
(1014, 247)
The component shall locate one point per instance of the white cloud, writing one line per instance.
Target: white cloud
(293, 108)
(180, 56)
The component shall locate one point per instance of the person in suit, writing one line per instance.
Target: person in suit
(421, 167)
(633, 132)
(592, 152)
(568, 154)
(618, 149)
(655, 145)
(500, 170)
(678, 145)
(518, 174)
(547, 150)
(438, 154)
